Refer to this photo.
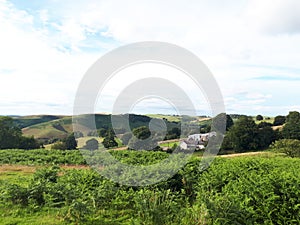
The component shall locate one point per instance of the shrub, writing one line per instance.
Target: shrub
(290, 147)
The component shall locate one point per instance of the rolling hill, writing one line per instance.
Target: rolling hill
(48, 128)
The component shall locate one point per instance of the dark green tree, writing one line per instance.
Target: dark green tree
(140, 144)
(141, 132)
(102, 132)
(291, 130)
(279, 120)
(109, 140)
(174, 133)
(141, 139)
(70, 142)
(91, 144)
(28, 143)
(221, 122)
(266, 136)
(126, 138)
(229, 122)
(259, 117)
(9, 133)
(244, 135)
(264, 124)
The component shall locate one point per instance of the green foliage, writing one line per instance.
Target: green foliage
(231, 191)
(174, 133)
(109, 140)
(141, 132)
(229, 122)
(259, 117)
(91, 144)
(251, 191)
(138, 144)
(58, 146)
(11, 136)
(244, 134)
(291, 130)
(266, 136)
(279, 120)
(126, 138)
(264, 124)
(70, 142)
(102, 132)
(41, 157)
(290, 147)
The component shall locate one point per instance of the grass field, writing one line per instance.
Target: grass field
(243, 188)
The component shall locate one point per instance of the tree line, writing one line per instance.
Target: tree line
(245, 134)
(11, 136)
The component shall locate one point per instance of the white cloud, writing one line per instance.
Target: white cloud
(275, 16)
(239, 41)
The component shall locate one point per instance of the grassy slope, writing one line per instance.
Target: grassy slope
(26, 121)
(60, 128)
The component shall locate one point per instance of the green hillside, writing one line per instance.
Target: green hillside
(60, 127)
(26, 121)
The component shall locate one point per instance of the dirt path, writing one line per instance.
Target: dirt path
(31, 169)
(242, 154)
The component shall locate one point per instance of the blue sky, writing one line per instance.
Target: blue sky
(252, 47)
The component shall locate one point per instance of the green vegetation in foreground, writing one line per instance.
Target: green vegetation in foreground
(241, 190)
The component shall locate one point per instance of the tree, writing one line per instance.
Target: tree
(58, 146)
(266, 136)
(174, 133)
(141, 140)
(219, 122)
(259, 117)
(126, 138)
(102, 132)
(9, 134)
(70, 142)
(109, 140)
(244, 134)
(28, 143)
(229, 122)
(279, 120)
(140, 144)
(91, 144)
(264, 124)
(291, 130)
(290, 147)
(141, 132)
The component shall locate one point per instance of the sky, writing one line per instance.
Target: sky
(252, 47)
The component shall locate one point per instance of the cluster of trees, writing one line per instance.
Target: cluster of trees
(11, 136)
(246, 135)
(141, 139)
(69, 143)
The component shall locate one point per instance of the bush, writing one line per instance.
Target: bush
(290, 147)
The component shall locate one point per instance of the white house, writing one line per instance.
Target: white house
(202, 137)
(188, 144)
(196, 140)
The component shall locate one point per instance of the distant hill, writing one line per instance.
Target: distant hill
(26, 121)
(47, 128)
